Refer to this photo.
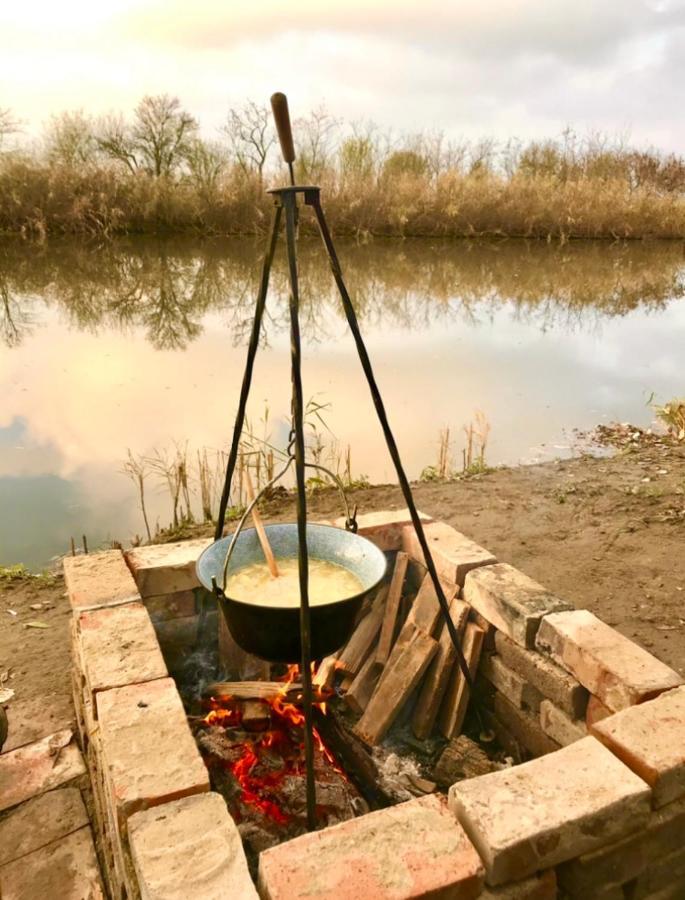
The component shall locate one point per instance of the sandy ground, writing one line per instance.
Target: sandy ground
(607, 534)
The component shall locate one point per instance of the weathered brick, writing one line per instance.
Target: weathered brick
(551, 680)
(99, 579)
(525, 728)
(662, 875)
(171, 606)
(189, 848)
(650, 740)
(384, 528)
(379, 855)
(549, 810)
(166, 568)
(617, 671)
(557, 725)
(149, 754)
(623, 860)
(453, 553)
(39, 767)
(542, 886)
(596, 711)
(40, 821)
(66, 869)
(511, 601)
(118, 646)
(514, 688)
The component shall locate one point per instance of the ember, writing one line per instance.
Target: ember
(256, 758)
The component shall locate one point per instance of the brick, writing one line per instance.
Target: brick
(542, 886)
(511, 601)
(171, 606)
(596, 711)
(166, 568)
(189, 848)
(41, 821)
(32, 718)
(525, 728)
(39, 767)
(149, 754)
(557, 725)
(624, 860)
(514, 688)
(544, 812)
(663, 875)
(66, 869)
(551, 680)
(99, 579)
(118, 646)
(384, 528)
(617, 671)
(453, 553)
(650, 740)
(380, 855)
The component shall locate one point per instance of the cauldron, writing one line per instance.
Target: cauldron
(271, 632)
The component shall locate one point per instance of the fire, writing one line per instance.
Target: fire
(266, 758)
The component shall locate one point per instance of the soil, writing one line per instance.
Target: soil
(606, 533)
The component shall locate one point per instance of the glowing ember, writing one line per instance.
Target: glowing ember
(261, 761)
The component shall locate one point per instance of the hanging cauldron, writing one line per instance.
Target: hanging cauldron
(273, 632)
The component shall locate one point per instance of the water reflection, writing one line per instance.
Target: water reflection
(166, 287)
(140, 343)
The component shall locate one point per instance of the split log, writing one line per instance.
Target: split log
(438, 674)
(352, 657)
(256, 715)
(325, 673)
(392, 606)
(455, 702)
(462, 758)
(361, 690)
(252, 690)
(425, 613)
(401, 676)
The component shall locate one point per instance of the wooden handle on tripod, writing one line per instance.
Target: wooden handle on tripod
(279, 105)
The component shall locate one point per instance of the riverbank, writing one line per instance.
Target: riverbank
(605, 533)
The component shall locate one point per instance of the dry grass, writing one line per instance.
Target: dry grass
(554, 190)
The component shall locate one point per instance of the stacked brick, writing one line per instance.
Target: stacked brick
(148, 779)
(599, 812)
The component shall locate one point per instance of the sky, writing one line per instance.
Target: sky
(503, 68)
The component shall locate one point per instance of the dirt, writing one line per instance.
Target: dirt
(606, 533)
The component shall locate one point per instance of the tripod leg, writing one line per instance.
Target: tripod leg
(298, 427)
(389, 437)
(247, 377)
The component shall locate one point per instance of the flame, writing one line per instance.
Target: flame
(284, 739)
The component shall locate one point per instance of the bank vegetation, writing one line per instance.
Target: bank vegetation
(154, 172)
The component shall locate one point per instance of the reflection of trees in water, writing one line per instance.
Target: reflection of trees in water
(167, 286)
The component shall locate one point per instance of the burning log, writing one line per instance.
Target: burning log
(252, 690)
(255, 715)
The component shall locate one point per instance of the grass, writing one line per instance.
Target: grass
(19, 572)
(672, 415)
(412, 186)
(473, 453)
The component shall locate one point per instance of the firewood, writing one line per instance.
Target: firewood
(400, 678)
(462, 758)
(453, 710)
(346, 682)
(325, 673)
(438, 674)
(392, 606)
(252, 690)
(425, 612)
(361, 690)
(352, 657)
(256, 715)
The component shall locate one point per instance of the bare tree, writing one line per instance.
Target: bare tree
(206, 162)
(251, 136)
(158, 139)
(162, 131)
(70, 139)
(315, 143)
(8, 124)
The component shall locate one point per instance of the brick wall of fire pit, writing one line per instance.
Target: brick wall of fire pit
(598, 811)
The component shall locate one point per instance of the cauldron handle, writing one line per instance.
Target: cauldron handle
(350, 520)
